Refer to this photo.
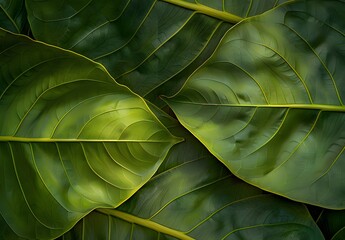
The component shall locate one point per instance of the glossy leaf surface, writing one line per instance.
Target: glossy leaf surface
(13, 15)
(193, 196)
(154, 52)
(71, 138)
(269, 102)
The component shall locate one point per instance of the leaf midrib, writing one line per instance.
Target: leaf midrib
(222, 15)
(145, 223)
(78, 140)
(321, 107)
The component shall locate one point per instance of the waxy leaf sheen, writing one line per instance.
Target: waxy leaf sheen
(151, 46)
(71, 138)
(193, 196)
(269, 103)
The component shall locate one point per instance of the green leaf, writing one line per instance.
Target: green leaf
(6, 232)
(71, 138)
(13, 15)
(154, 52)
(193, 196)
(332, 224)
(269, 102)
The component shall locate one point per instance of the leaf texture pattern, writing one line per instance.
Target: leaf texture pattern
(193, 196)
(71, 138)
(330, 222)
(13, 15)
(154, 52)
(269, 102)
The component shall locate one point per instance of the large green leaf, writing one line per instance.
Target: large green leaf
(154, 52)
(269, 102)
(13, 15)
(71, 138)
(194, 196)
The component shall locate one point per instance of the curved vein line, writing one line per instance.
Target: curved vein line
(102, 113)
(27, 70)
(299, 145)
(186, 193)
(262, 225)
(47, 90)
(153, 133)
(338, 232)
(65, 18)
(131, 38)
(133, 123)
(327, 24)
(22, 190)
(274, 134)
(322, 62)
(249, 75)
(121, 165)
(103, 179)
(240, 130)
(101, 25)
(222, 83)
(140, 160)
(213, 114)
(249, 8)
(319, 217)
(158, 47)
(166, 171)
(74, 107)
(68, 178)
(10, 18)
(285, 60)
(225, 206)
(195, 91)
(42, 180)
(12, 46)
(189, 64)
(330, 167)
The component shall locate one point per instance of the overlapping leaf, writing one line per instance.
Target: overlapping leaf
(269, 102)
(13, 15)
(332, 223)
(193, 196)
(71, 138)
(151, 46)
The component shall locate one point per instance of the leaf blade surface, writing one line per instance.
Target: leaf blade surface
(269, 102)
(192, 196)
(156, 51)
(71, 138)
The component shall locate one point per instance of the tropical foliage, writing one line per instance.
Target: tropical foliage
(172, 119)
